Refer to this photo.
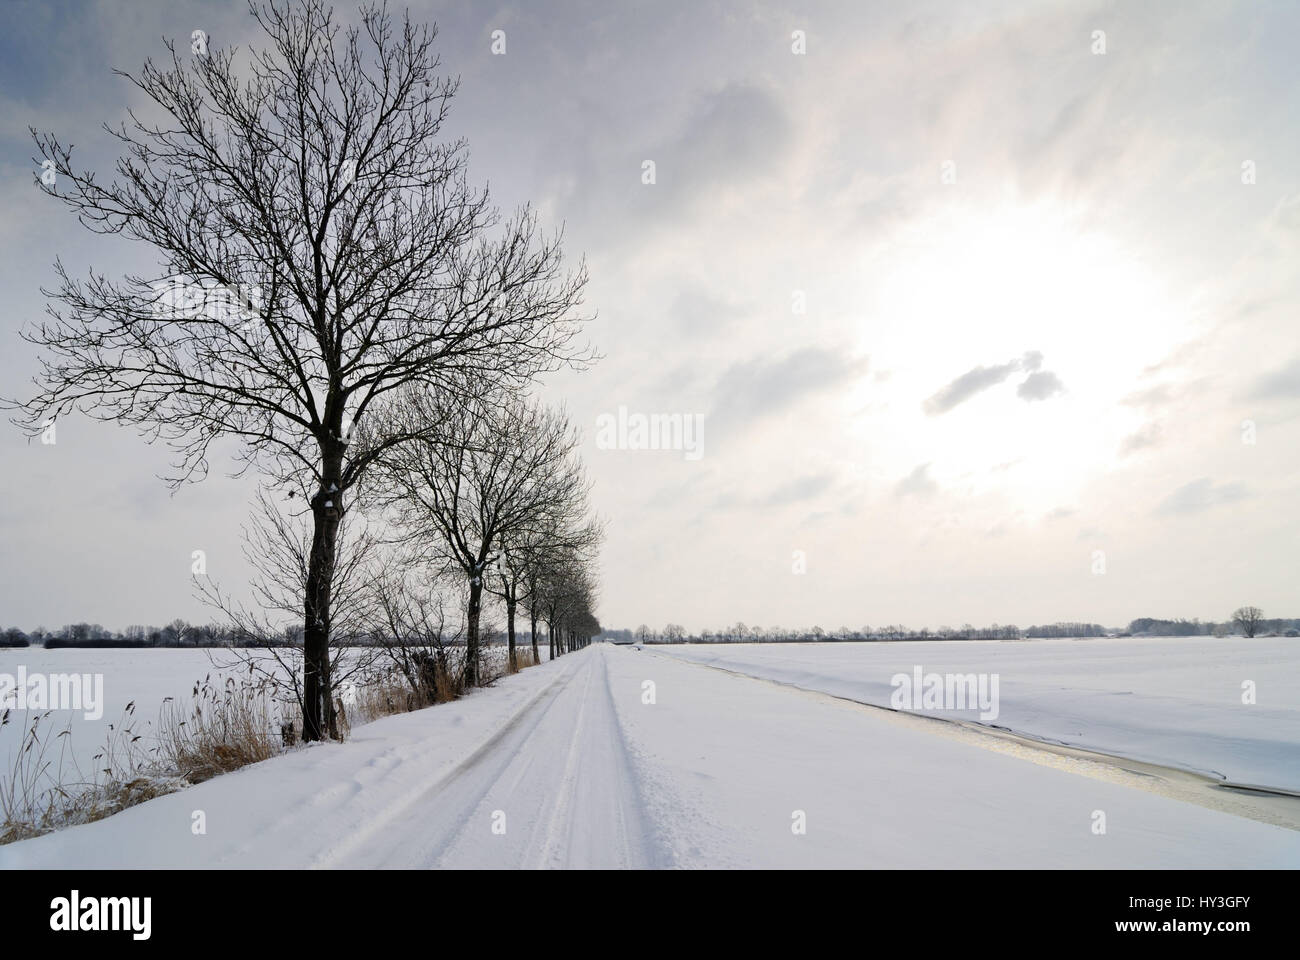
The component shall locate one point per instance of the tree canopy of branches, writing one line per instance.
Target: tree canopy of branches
(1247, 620)
(566, 598)
(308, 175)
(528, 560)
(481, 489)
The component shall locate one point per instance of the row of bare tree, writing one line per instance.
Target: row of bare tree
(384, 328)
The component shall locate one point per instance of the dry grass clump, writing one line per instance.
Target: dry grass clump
(227, 726)
(523, 659)
(45, 788)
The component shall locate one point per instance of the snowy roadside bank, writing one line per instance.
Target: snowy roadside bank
(296, 809)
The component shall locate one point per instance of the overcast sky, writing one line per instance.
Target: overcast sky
(962, 300)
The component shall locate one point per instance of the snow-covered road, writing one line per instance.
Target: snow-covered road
(634, 758)
(554, 783)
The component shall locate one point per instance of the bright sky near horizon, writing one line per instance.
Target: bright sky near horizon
(966, 295)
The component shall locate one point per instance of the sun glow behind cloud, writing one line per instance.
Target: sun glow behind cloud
(987, 285)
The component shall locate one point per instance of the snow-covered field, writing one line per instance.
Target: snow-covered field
(1171, 701)
(642, 758)
(146, 677)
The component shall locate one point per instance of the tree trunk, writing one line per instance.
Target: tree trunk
(318, 719)
(533, 618)
(471, 631)
(510, 631)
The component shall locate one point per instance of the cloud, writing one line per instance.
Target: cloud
(1040, 386)
(699, 312)
(732, 135)
(1181, 356)
(1199, 495)
(1287, 213)
(804, 488)
(1147, 436)
(1149, 398)
(1037, 386)
(1282, 384)
(758, 388)
(918, 483)
(968, 385)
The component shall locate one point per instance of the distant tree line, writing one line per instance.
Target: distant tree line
(1068, 630)
(178, 633)
(1246, 621)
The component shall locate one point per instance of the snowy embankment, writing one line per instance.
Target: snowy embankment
(1171, 701)
(145, 677)
(627, 758)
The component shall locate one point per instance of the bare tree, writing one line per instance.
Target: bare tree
(515, 573)
(563, 529)
(412, 629)
(314, 184)
(486, 473)
(567, 595)
(1248, 620)
(277, 548)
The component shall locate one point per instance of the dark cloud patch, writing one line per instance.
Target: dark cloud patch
(1040, 386)
(1147, 436)
(731, 136)
(697, 311)
(796, 491)
(1287, 214)
(1199, 495)
(738, 129)
(758, 388)
(1281, 384)
(918, 483)
(968, 385)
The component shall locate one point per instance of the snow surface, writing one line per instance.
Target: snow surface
(582, 772)
(146, 677)
(1171, 701)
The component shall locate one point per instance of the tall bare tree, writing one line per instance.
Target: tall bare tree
(313, 182)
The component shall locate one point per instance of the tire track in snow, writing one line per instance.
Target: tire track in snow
(560, 774)
(395, 812)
